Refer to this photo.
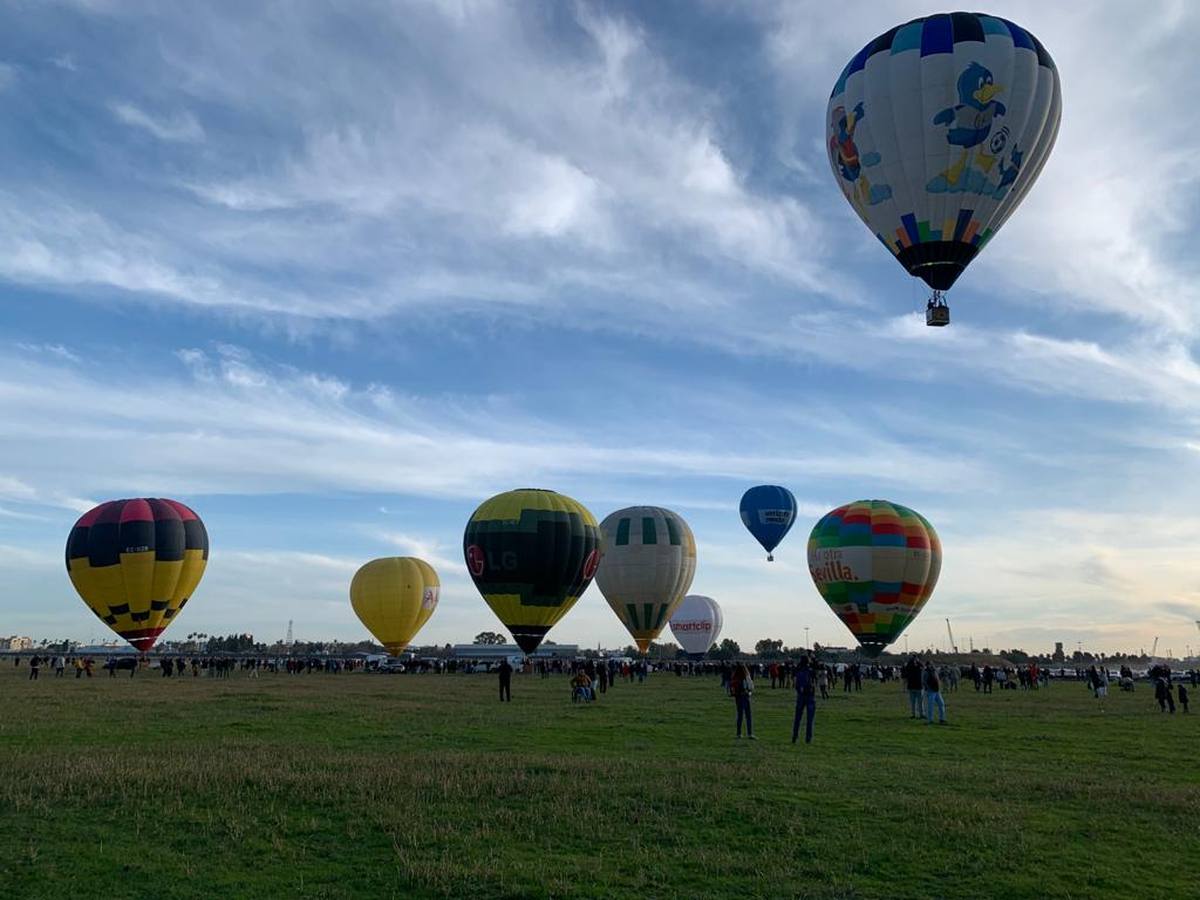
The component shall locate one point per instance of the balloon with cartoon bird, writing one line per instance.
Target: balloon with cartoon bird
(936, 130)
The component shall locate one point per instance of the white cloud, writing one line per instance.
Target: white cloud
(57, 350)
(8, 75)
(235, 425)
(181, 126)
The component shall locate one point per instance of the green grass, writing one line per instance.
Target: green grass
(425, 786)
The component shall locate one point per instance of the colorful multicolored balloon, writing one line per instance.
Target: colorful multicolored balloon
(136, 563)
(937, 129)
(394, 598)
(768, 512)
(531, 554)
(696, 624)
(876, 563)
(647, 560)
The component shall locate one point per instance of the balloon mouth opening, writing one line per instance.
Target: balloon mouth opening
(143, 638)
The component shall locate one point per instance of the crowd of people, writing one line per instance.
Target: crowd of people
(925, 683)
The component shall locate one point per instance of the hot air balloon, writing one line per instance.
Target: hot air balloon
(531, 553)
(768, 512)
(136, 563)
(876, 563)
(647, 560)
(936, 131)
(394, 597)
(696, 623)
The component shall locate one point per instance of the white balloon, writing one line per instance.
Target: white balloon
(648, 558)
(697, 622)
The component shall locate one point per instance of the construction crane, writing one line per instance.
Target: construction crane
(953, 646)
(1154, 650)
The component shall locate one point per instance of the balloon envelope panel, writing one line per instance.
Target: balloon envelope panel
(394, 598)
(136, 563)
(937, 129)
(531, 554)
(696, 623)
(876, 564)
(647, 561)
(768, 512)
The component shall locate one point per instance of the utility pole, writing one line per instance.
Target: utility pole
(289, 641)
(806, 643)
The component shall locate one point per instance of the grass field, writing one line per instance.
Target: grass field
(424, 786)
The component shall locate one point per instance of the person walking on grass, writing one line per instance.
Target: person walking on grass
(806, 700)
(506, 671)
(742, 688)
(1183, 696)
(823, 680)
(33, 667)
(913, 682)
(933, 694)
(60, 665)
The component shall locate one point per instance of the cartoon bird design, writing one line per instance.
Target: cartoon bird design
(969, 122)
(841, 143)
(844, 153)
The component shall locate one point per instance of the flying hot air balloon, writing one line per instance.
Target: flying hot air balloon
(136, 563)
(531, 553)
(394, 597)
(647, 560)
(876, 564)
(696, 623)
(936, 130)
(768, 512)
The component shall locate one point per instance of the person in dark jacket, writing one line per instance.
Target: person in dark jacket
(806, 700)
(1183, 697)
(506, 671)
(912, 682)
(742, 687)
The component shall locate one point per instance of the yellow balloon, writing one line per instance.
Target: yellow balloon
(394, 597)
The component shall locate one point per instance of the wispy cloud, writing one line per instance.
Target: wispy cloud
(180, 126)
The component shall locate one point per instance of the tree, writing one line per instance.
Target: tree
(768, 648)
(728, 650)
(489, 638)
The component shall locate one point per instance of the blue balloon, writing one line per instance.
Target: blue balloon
(768, 512)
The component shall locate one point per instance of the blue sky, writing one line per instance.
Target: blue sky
(334, 275)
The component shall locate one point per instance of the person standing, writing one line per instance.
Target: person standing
(506, 671)
(806, 700)
(33, 667)
(933, 694)
(60, 665)
(823, 680)
(1183, 696)
(742, 687)
(913, 679)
